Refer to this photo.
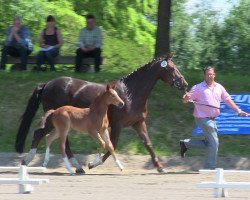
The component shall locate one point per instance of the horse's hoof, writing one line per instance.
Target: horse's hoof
(162, 170)
(23, 162)
(80, 171)
(90, 166)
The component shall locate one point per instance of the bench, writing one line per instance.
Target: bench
(25, 184)
(65, 60)
(220, 186)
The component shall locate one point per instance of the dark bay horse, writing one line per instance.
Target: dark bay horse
(133, 89)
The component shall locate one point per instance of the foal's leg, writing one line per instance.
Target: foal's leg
(114, 136)
(49, 139)
(105, 136)
(98, 159)
(63, 137)
(141, 129)
(38, 135)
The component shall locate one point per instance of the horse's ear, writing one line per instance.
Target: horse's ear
(108, 87)
(113, 86)
(170, 55)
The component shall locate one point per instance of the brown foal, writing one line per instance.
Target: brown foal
(93, 120)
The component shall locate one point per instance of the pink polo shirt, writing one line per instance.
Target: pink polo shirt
(203, 94)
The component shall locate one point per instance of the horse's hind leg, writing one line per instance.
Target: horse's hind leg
(49, 139)
(109, 145)
(72, 159)
(38, 135)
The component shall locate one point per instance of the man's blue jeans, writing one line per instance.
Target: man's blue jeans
(210, 142)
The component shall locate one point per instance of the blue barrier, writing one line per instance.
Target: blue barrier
(229, 122)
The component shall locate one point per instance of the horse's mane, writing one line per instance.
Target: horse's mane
(141, 68)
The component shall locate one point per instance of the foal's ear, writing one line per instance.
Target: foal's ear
(110, 86)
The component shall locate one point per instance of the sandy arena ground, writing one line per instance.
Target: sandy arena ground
(138, 180)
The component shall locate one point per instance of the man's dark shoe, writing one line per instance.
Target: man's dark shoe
(183, 148)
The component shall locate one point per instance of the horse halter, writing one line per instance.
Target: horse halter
(176, 80)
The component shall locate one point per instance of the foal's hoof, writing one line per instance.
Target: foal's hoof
(80, 171)
(162, 170)
(23, 162)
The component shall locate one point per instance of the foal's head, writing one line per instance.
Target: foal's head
(112, 97)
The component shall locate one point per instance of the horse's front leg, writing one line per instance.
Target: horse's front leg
(142, 131)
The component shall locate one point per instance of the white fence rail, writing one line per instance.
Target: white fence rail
(220, 186)
(25, 184)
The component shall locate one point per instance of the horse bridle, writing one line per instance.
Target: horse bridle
(176, 81)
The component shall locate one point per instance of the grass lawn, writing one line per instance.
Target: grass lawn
(168, 121)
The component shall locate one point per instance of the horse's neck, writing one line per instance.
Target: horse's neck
(140, 83)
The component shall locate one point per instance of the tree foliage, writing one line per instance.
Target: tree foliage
(129, 28)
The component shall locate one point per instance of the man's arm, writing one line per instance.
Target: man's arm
(99, 43)
(232, 105)
(81, 38)
(9, 35)
(25, 34)
(191, 95)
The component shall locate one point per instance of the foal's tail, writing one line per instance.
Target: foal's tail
(44, 118)
(27, 117)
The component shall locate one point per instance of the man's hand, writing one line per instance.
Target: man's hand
(185, 98)
(84, 49)
(242, 113)
(15, 29)
(88, 48)
(91, 48)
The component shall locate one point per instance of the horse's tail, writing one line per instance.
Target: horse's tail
(27, 117)
(44, 118)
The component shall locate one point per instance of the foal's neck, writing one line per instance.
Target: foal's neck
(100, 105)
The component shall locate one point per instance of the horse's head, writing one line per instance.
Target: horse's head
(113, 97)
(170, 74)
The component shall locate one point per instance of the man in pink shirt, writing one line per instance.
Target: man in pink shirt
(207, 96)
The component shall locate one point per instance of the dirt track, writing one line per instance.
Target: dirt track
(137, 181)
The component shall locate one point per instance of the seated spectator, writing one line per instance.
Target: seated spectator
(50, 42)
(17, 44)
(90, 43)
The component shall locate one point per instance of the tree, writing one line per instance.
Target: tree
(162, 45)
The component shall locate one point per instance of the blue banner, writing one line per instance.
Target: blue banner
(229, 122)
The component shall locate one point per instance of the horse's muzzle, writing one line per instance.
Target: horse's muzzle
(121, 104)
